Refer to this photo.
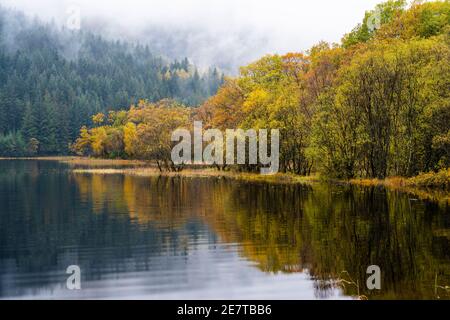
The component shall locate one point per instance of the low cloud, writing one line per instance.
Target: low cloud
(226, 33)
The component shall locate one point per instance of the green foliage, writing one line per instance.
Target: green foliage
(440, 179)
(383, 14)
(50, 89)
(378, 112)
(13, 144)
(377, 105)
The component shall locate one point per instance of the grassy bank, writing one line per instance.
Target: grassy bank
(432, 180)
(432, 186)
(150, 169)
(418, 187)
(203, 173)
(88, 162)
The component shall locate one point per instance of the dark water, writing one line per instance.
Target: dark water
(180, 238)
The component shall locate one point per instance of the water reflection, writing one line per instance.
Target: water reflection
(138, 237)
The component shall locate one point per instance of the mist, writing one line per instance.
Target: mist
(222, 33)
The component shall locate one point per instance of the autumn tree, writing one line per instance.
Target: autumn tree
(155, 124)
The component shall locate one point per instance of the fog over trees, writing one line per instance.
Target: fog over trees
(53, 79)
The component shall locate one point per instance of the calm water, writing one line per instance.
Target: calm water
(180, 238)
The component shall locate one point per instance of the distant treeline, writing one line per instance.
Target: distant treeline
(375, 105)
(52, 80)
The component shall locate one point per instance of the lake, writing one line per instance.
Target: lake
(210, 238)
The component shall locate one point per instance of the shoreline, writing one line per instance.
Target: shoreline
(422, 193)
(205, 173)
(420, 186)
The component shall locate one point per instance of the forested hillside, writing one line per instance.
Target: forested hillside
(52, 80)
(375, 105)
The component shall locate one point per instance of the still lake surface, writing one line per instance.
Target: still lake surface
(209, 238)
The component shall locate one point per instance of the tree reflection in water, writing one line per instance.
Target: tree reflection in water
(51, 217)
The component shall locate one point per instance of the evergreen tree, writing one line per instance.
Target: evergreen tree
(48, 90)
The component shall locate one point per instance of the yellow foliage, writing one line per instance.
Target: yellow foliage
(130, 138)
(98, 136)
(98, 119)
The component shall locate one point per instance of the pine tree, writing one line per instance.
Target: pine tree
(30, 126)
(49, 126)
(46, 92)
